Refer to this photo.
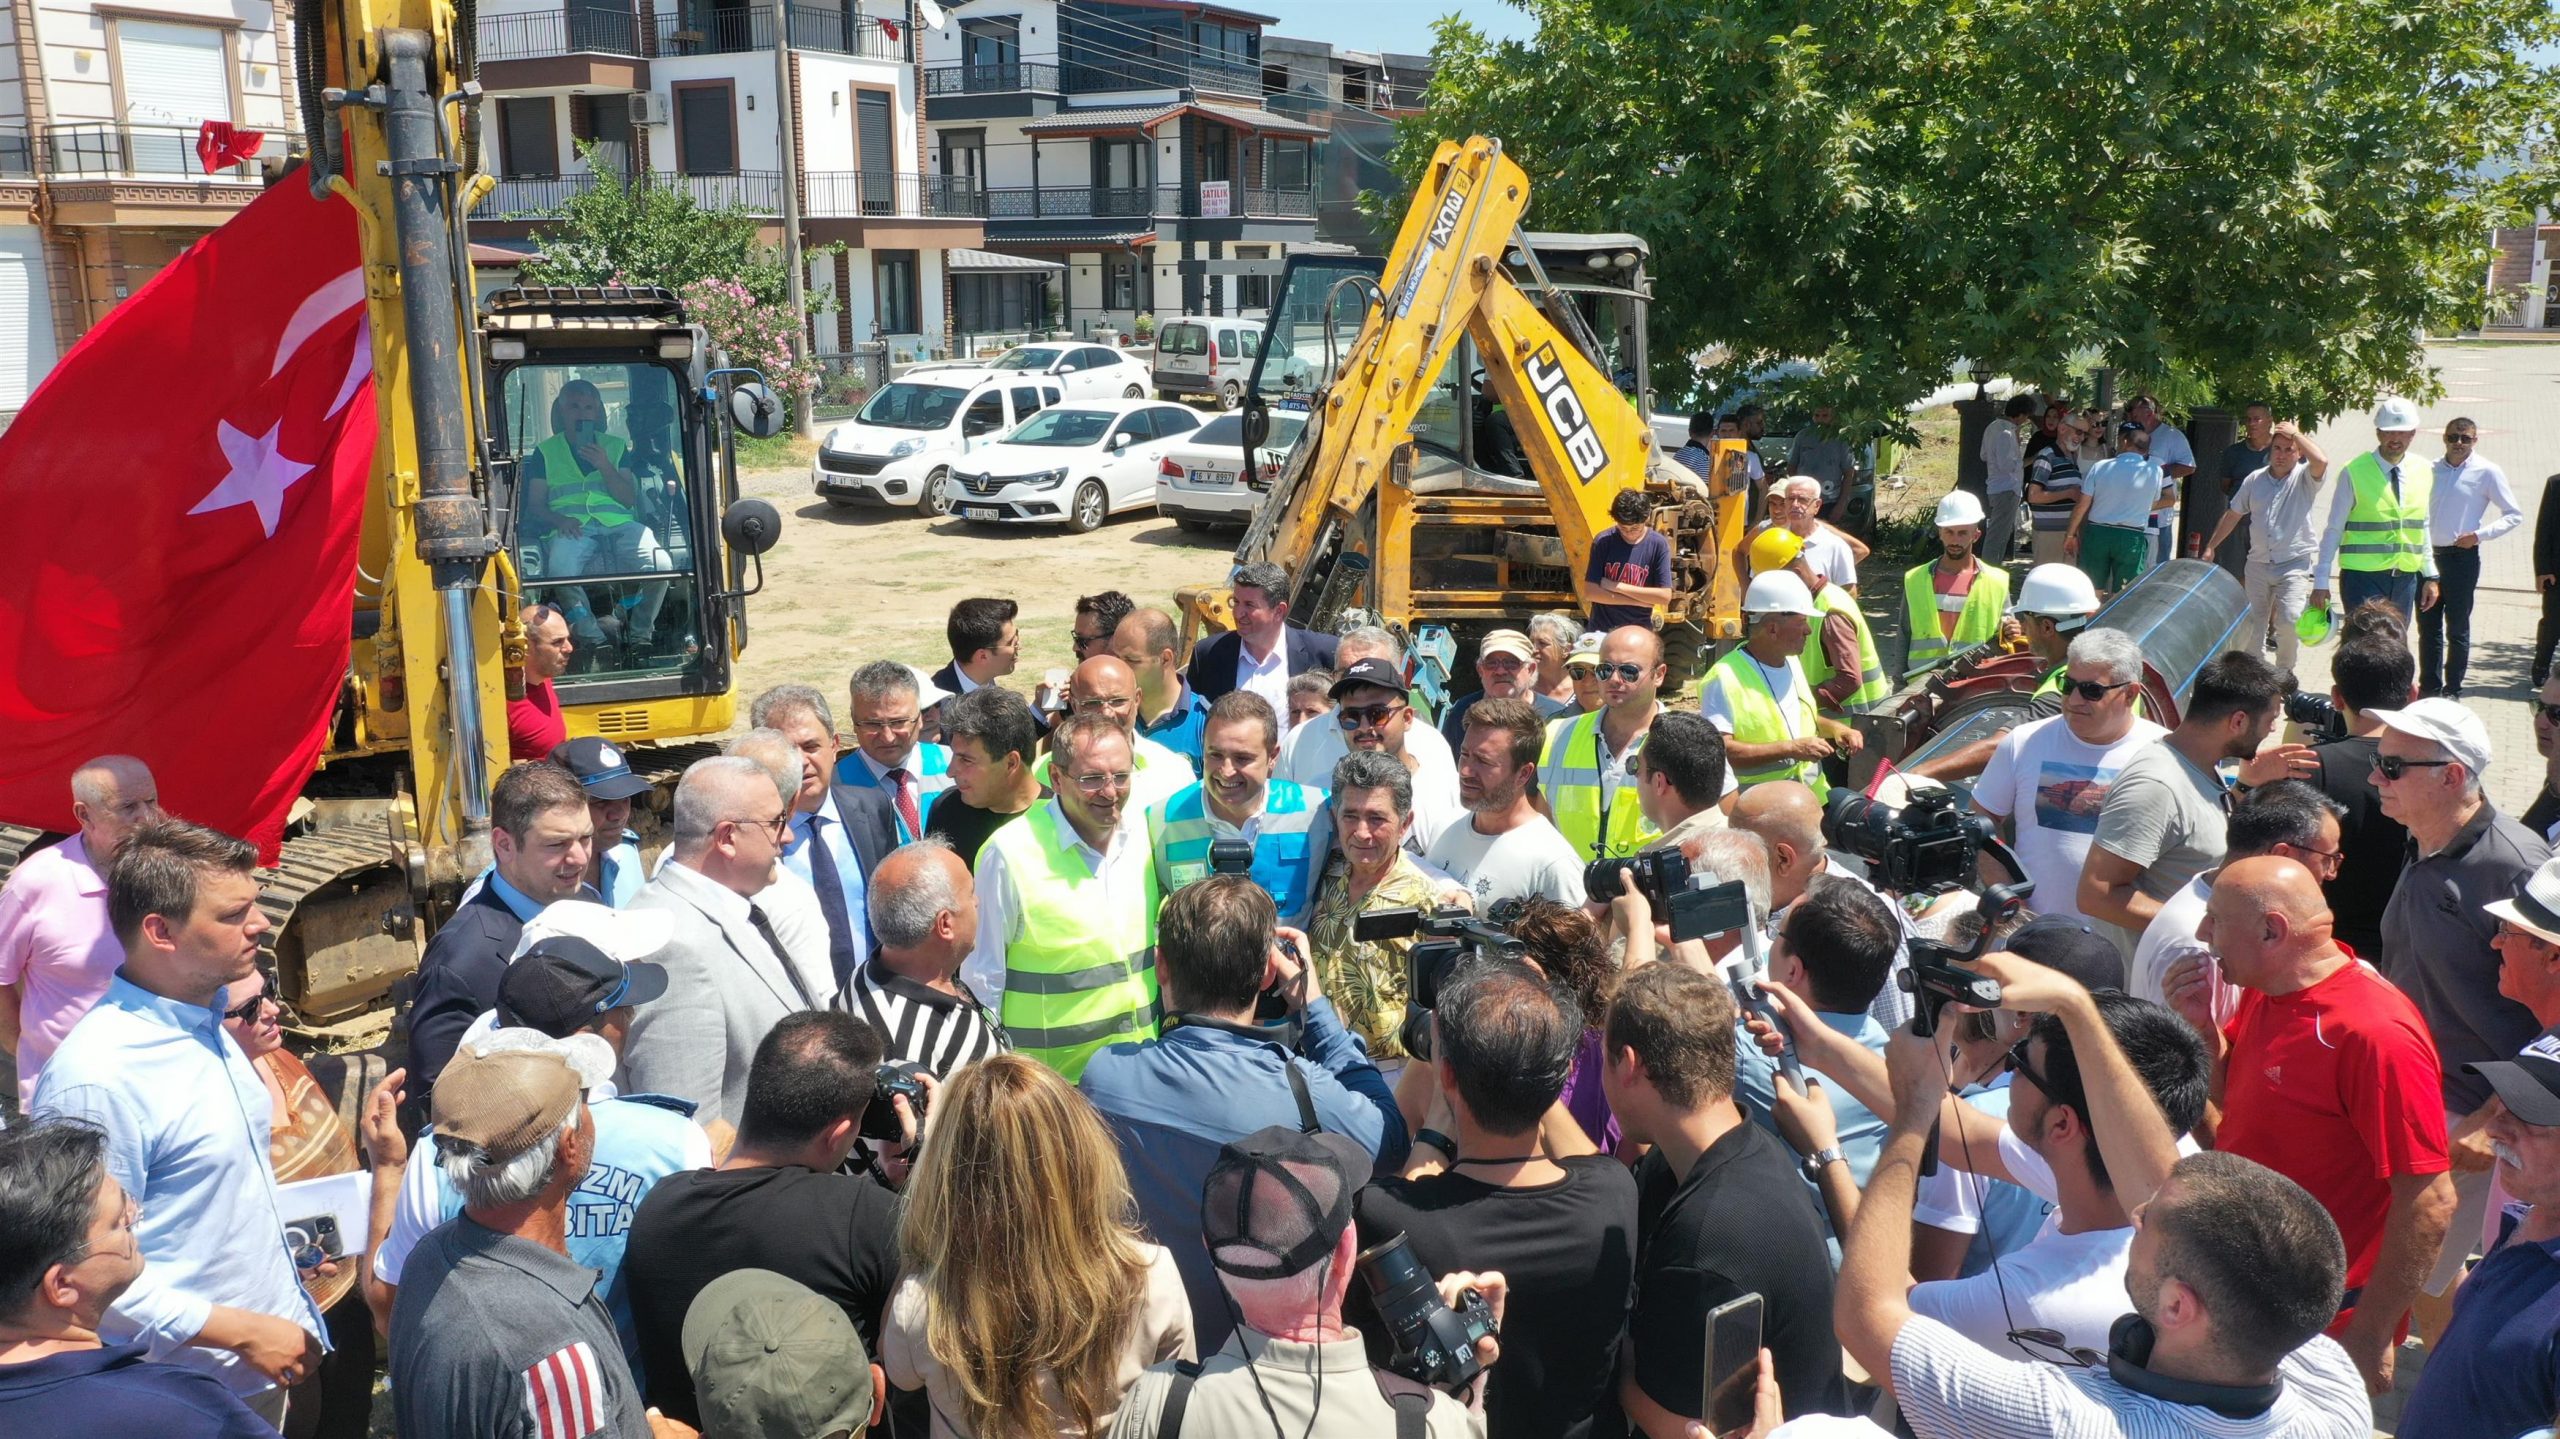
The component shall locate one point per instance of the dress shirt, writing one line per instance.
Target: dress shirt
(56, 947)
(848, 866)
(1267, 676)
(2459, 503)
(1122, 866)
(927, 785)
(187, 1120)
(621, 870)
(2341, 505)
(2004, 461)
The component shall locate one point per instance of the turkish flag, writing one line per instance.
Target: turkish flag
(184, 496)
(220, 143)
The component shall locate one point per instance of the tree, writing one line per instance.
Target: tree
(627, 232)
(2222, 199)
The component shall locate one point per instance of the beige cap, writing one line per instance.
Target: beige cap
(504, 1103)
(1506, 642)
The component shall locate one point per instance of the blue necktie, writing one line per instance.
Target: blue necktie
(829, 882)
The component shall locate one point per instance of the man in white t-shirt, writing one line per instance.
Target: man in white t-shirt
(2289, 818)
(1309, 751)
(2046, 780)
(1796, 502)
(2176, 459)
(1505, 849)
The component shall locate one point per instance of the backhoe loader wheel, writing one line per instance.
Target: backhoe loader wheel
(1685, 654)
(1089, 510)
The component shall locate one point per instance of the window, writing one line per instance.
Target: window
(1171, 420)
(1120, 178)
(1216, 143)
(964, 158)
(876, 139)
(173, 74)
(893, 279)
(1284, 164)
(528, 144)
(992, 49)
(1026, 403)
(706, 128)
(985, 416)
(1230, 345)
(1096, 358)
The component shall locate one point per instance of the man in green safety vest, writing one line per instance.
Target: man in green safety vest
(1067, 899)
(1840, 659)
(1584, 771)
(1954, 602)
(1238, 799)
(1757, 694)
(2376, 541)
(2054, 605)
(586, 508)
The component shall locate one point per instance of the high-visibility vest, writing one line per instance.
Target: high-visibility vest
(1081, 975)
(572, 492)
(1757, 719)
(1931, 646)
(1283, 849)
(2387, 531)
(1872, 684)
(1599, 824)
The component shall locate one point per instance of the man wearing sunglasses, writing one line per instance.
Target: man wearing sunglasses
(1373, 713)
(2459, 525)
(1584, 769)
(2438, 941)
(2287, 818)
(2047, 779)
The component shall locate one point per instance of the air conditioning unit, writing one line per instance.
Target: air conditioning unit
(648, 107)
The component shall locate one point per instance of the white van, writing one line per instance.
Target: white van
(1206, 355)
(898, 449)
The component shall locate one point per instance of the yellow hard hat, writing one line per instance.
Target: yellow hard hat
(1775, 548)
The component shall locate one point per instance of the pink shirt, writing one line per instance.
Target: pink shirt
(56, 946)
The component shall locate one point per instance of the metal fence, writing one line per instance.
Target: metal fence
(534, 195)
(999, 79)
(837, 194)
(103, 148)
(705, 30)
(572, 29)
(846, 380)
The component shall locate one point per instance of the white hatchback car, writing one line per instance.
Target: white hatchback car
(1200, 481)
(898, 449)
(1076, 465)
(1085, 372)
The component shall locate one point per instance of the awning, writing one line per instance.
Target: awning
(1149, 118)
(964, 262)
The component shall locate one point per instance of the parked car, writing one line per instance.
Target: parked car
(899, 447)
(1200, 481)
(1085, 372)
(1209, 355)
(1076, 464)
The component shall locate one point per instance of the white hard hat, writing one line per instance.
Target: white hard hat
(1959, 508)
(2056, 590)
(2395, 414)
(1779, 592)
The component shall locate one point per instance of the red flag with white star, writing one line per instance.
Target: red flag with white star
(185, 494)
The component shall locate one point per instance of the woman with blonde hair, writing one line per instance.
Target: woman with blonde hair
(1030, 1300)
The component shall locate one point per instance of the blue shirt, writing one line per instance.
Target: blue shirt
(928, 764)
(2122, 489)
(1861, 1133)
(1178, 728)
(621, 871)
(116, 1390)
(2496, 1371)
(848, 867)
(187, 1125)
(522, 905)
(1173, 1102)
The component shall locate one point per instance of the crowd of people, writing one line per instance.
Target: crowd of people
(1212, 1044)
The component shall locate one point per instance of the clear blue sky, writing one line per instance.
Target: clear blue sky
(1400, 25)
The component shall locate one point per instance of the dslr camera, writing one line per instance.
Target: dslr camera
(1448, 936)
(2317, 715)
(891, 1079)
(1656, 874)
(1937, 978)
(1431, 1343)
(1930, 845)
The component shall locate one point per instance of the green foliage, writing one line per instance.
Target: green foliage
(2222, 199)
(622, 232)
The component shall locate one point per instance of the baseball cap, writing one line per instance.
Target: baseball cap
(1585, 651)
(2128, 427)
(504, 1100)
(2446, 722)
(2529, 1083)
(1278, 1200)
(928, 694)
(768, 1355)
(1371, 672)
(603, 771)
(2538, 908)
(2070, 946)
(1506, 642)
(562, 983)
(628, 935)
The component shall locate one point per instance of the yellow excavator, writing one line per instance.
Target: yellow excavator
(395, 821)
(1474, 403)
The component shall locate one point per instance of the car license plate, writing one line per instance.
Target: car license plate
(978, 512)
(1212, 477)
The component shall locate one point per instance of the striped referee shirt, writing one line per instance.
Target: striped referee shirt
(919, 1024)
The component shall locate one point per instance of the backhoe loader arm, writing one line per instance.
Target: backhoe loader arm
(1583, 441)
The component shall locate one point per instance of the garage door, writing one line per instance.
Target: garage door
(20, 365)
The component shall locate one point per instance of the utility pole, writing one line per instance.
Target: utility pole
(786, 111)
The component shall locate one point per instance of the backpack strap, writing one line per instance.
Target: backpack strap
(1177, 1398)
(1413, 1416)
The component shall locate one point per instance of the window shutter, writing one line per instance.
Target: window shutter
(173, 74)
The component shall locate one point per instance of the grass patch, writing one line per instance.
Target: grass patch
(782, 452)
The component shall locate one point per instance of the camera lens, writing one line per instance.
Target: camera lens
(1390, 1270)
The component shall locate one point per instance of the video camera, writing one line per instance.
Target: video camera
(1655, 874)
(1431, 1343)
(1936, 977)
(2316, 715)
(1448, 936)
(1930, 845)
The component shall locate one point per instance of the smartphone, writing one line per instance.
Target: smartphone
(588, 432)
(1733, 1364)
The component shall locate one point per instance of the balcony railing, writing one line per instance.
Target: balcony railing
(1286, 204)
(1010, 77)
(103, 149)
(1102, 202)
(1198, 73)
(828, 194)
(846, 194)
(702, 30)
(571, 30)
(523, 196)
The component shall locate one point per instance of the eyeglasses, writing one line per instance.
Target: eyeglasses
(2047, 1346)
(2462, 439)
(2091, 690)
(887, 726)
(250, 1006)
(1085, 642)
(779, 826)
(1099, 784)
(125, 1225)
(1629, 673)
(2550, 714)
(2018, 1066)
(2392, 766)
(1359, 717)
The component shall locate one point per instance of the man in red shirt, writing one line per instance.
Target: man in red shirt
(2328, 1077)
(534, 724)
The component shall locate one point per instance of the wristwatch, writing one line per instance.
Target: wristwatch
(1820, 1160)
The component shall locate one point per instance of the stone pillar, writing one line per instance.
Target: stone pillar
(1973, 419)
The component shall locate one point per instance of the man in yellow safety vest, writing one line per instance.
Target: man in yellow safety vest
(586, 508)
(1954, 602)
(1840, 659)
(2376, 540)
(1583, 772)
(1758, 697)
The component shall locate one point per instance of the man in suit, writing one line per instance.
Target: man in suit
(2546, 578)
(731, 976)
(839, 833)
(890, 755)
(542, 837)
(985, 645)
(1264, 649)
